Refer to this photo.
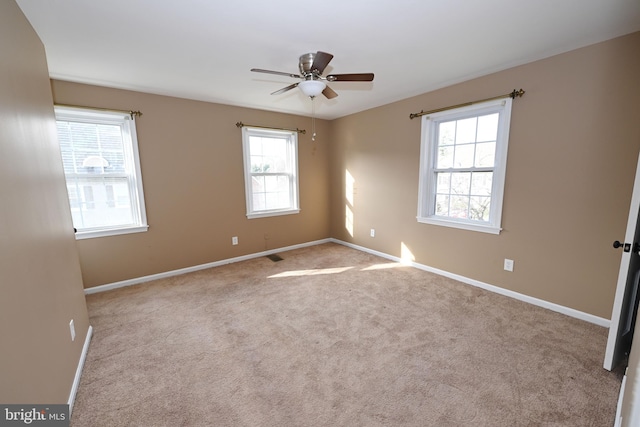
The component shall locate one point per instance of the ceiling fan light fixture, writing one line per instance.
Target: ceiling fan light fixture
(312, 87)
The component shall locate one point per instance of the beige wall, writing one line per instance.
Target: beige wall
(191, 160)
(40, 282)
(573, 148)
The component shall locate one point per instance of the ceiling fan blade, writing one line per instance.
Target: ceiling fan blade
(361, 77)
(321, 61)
(284, 89)
(278, 73)
(329, 93)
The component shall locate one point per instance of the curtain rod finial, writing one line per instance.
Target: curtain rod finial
(517, 93)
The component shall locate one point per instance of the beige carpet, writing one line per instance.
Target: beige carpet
(331, 336)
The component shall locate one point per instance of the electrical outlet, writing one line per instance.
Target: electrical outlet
(234, 240)
(72, 329)
(508, 264)
(373, 232)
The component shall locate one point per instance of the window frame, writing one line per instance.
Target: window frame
(291, 138)
(428, 156)
(132, 173)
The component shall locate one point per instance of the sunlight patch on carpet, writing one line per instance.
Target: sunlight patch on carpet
(383, 266)
(315, 272)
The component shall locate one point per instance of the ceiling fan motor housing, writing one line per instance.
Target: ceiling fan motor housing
(306, 61)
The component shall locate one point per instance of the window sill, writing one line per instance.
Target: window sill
(272, 213)
(461, 225)
(105, 232)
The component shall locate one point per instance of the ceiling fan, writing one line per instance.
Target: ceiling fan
(312, 82)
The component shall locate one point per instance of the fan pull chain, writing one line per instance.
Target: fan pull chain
(313, 119)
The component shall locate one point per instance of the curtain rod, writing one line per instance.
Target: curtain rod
(129, 112)
(240, 125)
(513, 95)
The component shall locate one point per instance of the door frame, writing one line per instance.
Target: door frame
(611, 356)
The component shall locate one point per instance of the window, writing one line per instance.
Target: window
(101, 165)
(270, 172)
(463, 155)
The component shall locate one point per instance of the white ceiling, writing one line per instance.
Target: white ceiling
(204, 49)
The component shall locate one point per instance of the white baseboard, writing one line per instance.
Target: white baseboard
(496, 289)
(76, 380)
(138, 280)
(492, 288)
